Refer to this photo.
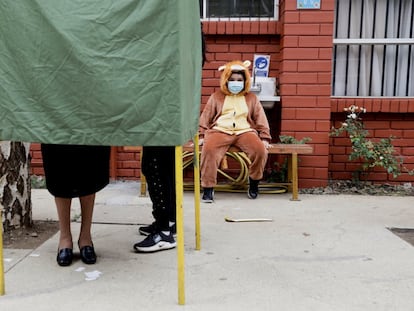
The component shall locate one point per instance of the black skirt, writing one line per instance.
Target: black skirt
(75, 170)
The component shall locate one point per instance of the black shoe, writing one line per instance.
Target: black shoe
(253, 191)
(208, 195)
(156, 241)
(87, 254)
(147, 230)
(64, 257)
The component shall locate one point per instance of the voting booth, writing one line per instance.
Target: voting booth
(101, 72)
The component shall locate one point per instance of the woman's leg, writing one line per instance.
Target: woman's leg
(87, 203)
(63, 211)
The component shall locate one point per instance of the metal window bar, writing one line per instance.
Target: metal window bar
(397, 52)
(372, 48)
(385, 51)
(410, 50)
(388, 48)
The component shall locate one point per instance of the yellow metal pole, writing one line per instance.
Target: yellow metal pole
(1, 260)
(179, 188)
(196, 163)
(294, 177)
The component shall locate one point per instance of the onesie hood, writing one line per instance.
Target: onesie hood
(228, 69)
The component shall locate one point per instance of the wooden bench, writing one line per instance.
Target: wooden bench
(240, 183)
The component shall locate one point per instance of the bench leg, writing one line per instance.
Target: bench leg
(143, 191)
(294, 172)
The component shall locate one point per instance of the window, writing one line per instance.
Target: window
(373, 48)
(238, 9)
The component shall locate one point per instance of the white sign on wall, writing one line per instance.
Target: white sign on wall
(308, 4)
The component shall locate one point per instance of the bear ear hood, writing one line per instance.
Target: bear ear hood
(228, 69)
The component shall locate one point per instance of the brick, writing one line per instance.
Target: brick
(336, 167)
(328, 5)
(314, 161)
(340, 158)
(39, 171)
(310, 16)
(306, 172)
(376, 105)
(35, 147)
(402, 125)
(341, 175)
(130, 164)
(265, 48)
(207, 74)
(315, 65)
(302, 78)
(325, 53)
(288, 65)
(291, 41)
(323, 126)
(324, 78)
(274, 27)
(315, 41)
(317, 137)
(237, 28)
(227, 57)
(229, 28)
(387, 133)
(407, 151)
(300, 53)
(385, 106)
(313, 89)
(323, 101)
(406, 133)
(410, 108)
(263, 28)
(321, 149)
(298, 125)
(403, 106)
(312, 183)
(126, 156)
(221, 28)
(299, 101)
(326, 30)
(215, 48)
(288, 113)
(312, 113)
(292, 17)
(300, 30)
(246, 28)
(288, 89)
(254, 27)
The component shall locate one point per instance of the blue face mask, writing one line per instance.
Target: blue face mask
(235, 87)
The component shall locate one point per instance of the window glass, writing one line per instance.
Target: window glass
(237, 8)
(384, 67)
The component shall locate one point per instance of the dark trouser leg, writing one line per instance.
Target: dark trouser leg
(158, 166)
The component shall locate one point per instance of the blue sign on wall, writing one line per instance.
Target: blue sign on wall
(261, 65)
(309, 4)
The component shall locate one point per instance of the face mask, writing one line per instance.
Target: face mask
(235, 87)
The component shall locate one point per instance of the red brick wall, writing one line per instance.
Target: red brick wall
(300, 46)
(305, 83)
(227, 41)
(384, 118)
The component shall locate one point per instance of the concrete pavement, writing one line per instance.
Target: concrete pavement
(325, 252)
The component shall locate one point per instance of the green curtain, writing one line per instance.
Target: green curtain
(100, 72)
